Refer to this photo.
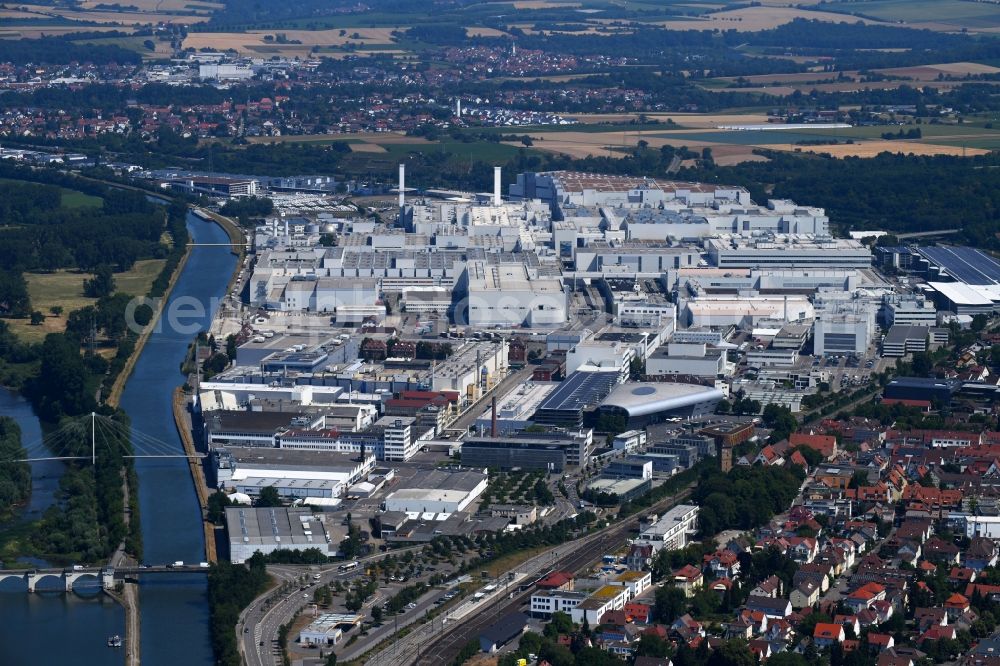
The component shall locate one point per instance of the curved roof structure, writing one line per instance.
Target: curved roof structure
(641, 399)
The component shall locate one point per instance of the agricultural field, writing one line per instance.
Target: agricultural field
(733, 147)
(65, 289)
(289, 41)
(755, 19)
(941, 15)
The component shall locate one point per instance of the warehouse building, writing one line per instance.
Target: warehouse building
(294, 474)
(512, 294)
(265, 530)
(437, 491)
(787, 251)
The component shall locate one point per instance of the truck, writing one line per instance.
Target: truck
(350, 566)
(178, 563)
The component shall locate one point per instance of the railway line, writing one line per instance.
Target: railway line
(447, 646)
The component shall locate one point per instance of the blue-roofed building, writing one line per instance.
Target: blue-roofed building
(961, 264)
(579, 392)
(922, 388)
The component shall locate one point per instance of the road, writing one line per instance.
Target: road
(439, 643)
(257, 629)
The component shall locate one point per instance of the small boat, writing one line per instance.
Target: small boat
(114, 641)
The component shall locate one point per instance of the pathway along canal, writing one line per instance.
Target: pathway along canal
(53, 628)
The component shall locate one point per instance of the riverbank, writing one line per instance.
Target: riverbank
(115, 394)
(128, 599)
(194, 465)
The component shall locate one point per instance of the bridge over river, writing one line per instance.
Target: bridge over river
(108, 576)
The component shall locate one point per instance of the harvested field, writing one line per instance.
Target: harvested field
(931, 72)
(543, 4)
(367, 148)
(755, 19)
(254, 40)
(36, 31)
(692, 120)
(478, 31)
(161, 5)
(873, 148)
(120, 18)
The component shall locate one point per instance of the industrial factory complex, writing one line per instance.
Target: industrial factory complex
(526, 332)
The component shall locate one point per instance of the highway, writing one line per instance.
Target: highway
(440, 643)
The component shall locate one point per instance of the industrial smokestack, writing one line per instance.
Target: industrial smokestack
(402, 186)
(493, 420)
(458, 107)
(496, 186)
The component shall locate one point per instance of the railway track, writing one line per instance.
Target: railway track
(445, 648)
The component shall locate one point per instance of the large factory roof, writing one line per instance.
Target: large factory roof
(965, 264)
(654, 397)
(960, 293)
(581, 389)
(578, 181)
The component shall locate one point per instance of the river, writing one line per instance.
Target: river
(52, 628)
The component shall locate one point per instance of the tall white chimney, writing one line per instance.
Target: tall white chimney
(496, 186)
(458, 107)
(402, 186)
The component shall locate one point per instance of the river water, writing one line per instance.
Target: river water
(52, 628)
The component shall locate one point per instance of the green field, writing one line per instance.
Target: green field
(65, 289)
(954, 12)
(70, 198)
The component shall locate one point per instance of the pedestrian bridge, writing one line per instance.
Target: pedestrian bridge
(108, 576)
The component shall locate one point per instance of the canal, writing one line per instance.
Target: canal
(57, 628)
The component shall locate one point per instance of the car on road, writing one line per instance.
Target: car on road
(411, 606)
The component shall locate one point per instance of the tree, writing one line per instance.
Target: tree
(102, 284)
(37, 318)
(651, 645)
(331, 659)
(231, 348)
(268, 497)
(732, 653)
(561, 623)
(377, 614)
(671, 602)
(56, 310)
(217, 503)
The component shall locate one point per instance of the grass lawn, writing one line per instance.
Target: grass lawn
(70, 198)
(65, 289)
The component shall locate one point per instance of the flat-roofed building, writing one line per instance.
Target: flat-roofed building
(905, 339)
(509, 294)
(552, 451)
(672, 530)
(437, 492)
(266, 530)
(787, 251)
(546, 602)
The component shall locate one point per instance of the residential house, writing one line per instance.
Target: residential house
(774, 608)
(805, 594)
(826, 445)
(941, 552)
(723, 563)
(826, 634)
(688, 578)
(865, 596)
(981, 553)
(770, 587)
